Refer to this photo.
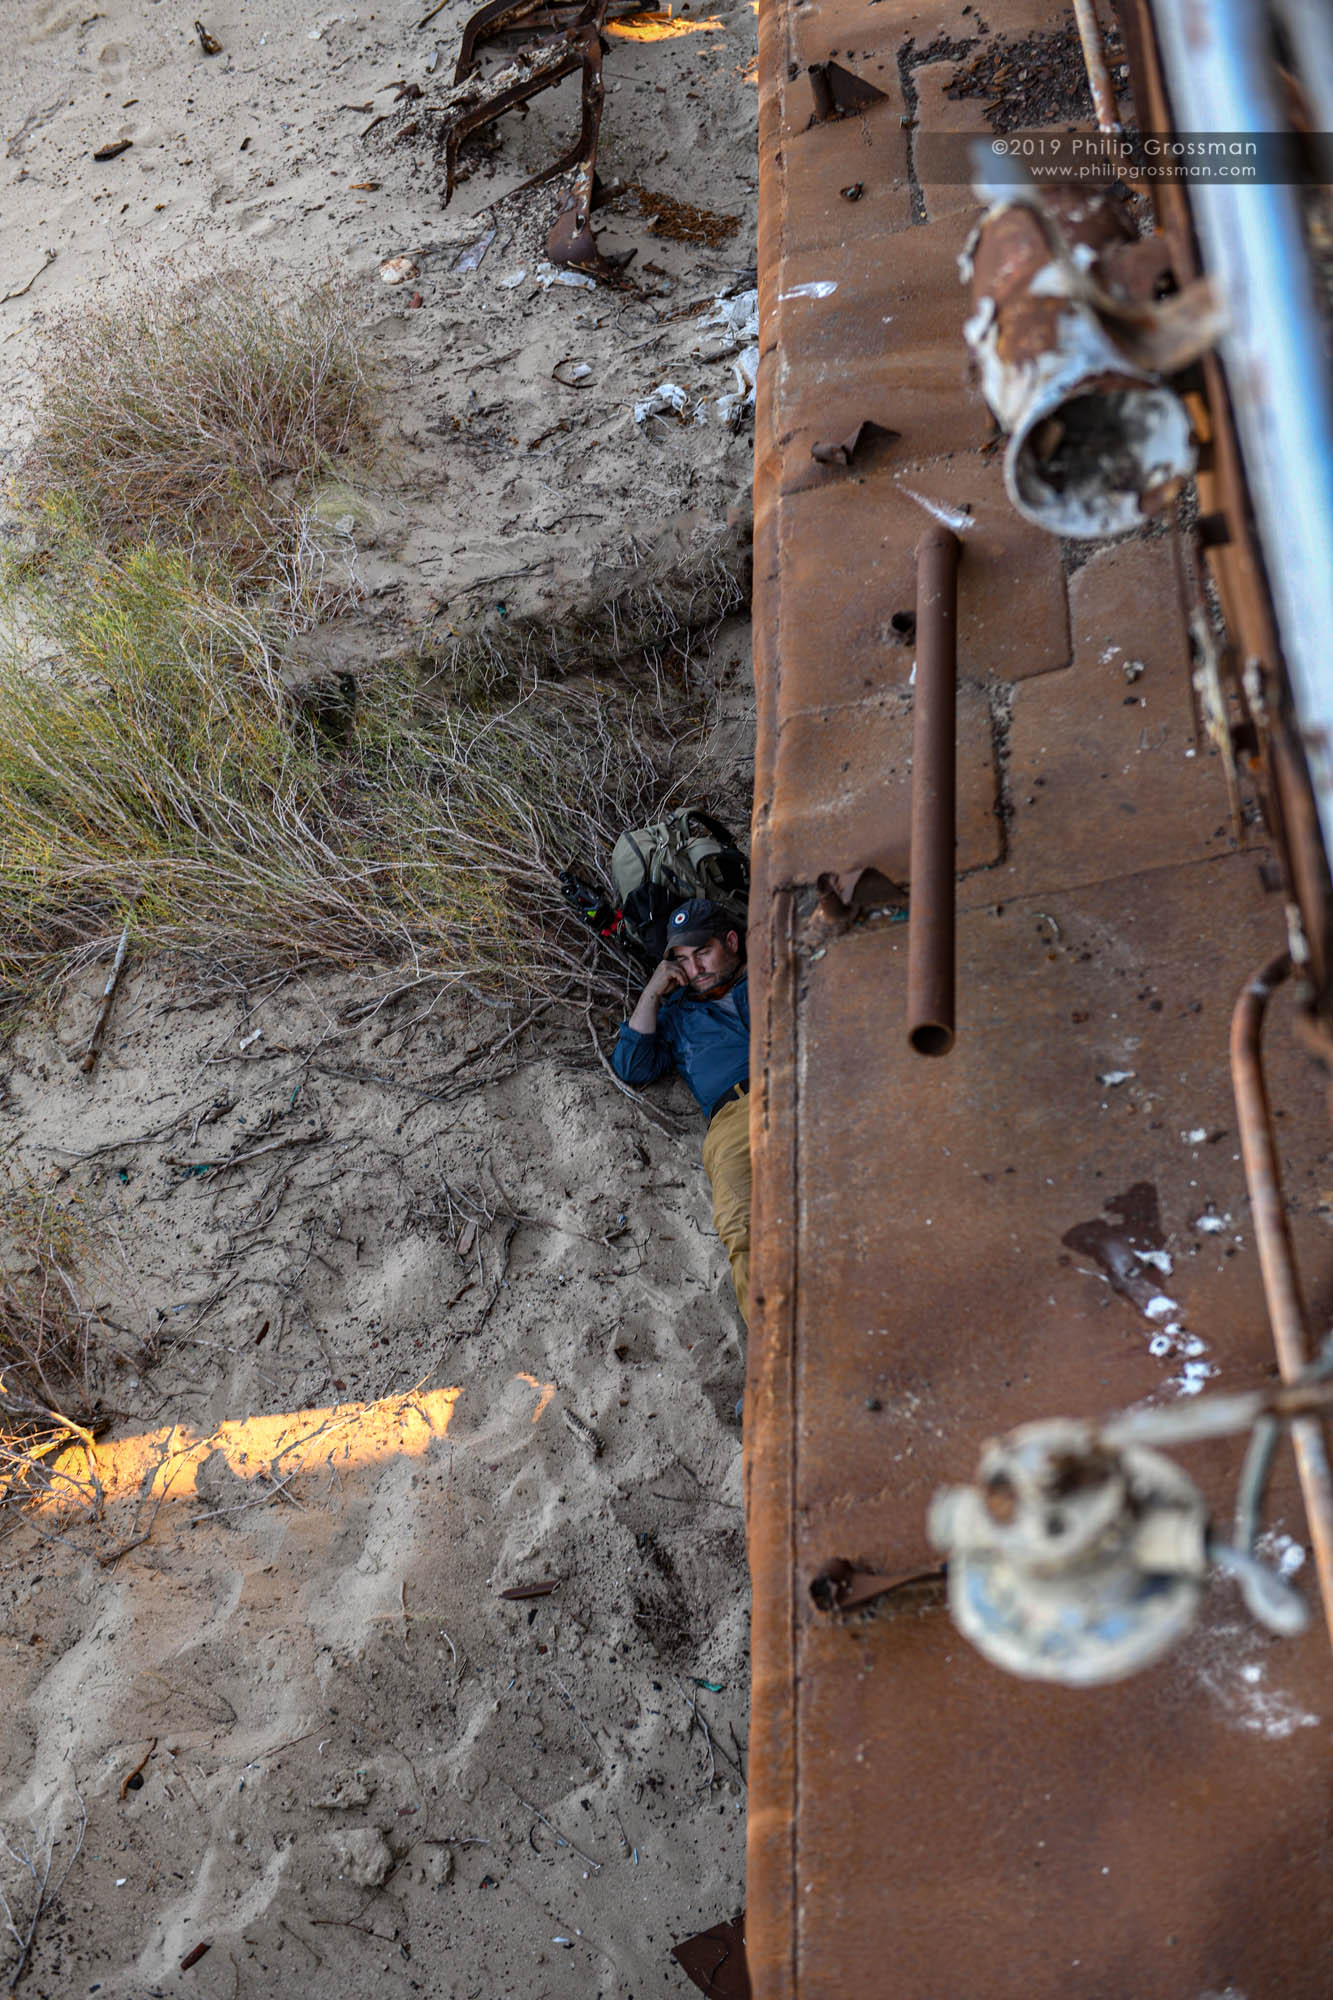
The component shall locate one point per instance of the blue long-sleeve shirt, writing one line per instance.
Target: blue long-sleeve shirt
(708, 1041)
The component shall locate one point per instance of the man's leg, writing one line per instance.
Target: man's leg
(727, 1164)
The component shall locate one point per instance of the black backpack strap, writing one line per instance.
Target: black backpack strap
(713, 826)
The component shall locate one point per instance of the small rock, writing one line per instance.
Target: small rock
(362, 1855)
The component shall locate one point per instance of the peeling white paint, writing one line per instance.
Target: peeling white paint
(1233, 1663)
(814, 288)
(952, 517)
(1192, 1377)
(1286, 1554)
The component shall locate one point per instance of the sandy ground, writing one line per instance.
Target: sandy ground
(458, 1323)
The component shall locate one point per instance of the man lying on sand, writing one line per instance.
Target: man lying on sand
(694, 1016)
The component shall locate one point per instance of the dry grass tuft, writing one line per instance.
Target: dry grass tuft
(200, 414)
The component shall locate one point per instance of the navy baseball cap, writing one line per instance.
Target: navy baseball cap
(697, 921)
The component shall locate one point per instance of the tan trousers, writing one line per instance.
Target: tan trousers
(727, 1164)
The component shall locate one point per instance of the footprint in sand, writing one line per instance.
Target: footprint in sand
(50, 18)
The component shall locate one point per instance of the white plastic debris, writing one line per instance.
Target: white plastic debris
(472, 256)
(547, 275)
(745, 368)
(511, 279)
(737, 315)
(666, 396)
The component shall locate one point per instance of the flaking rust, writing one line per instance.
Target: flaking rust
(474, 101)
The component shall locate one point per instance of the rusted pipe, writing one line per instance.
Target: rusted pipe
(1097, 442)
(1272, 1234)
(930, 938)
(1094, 61)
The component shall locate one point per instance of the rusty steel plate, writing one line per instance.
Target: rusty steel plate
(926, 1232)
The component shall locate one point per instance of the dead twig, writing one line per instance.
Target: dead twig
(94, 1048)
(569, 1703)
(714, 1750)
(274, 1490)
(37, 1867)
(511, 1231)
(671, 1126)
(48, 259)
(595, 1866)
(208, 1168)
(130, 1776)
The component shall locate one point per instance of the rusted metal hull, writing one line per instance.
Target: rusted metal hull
(922, 1826)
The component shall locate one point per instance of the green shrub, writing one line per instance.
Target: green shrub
(155, 765)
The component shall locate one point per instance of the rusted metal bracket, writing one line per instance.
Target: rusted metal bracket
(839, 92)
(571, 240)
(473, 104)
(841, 1586)
(861, 442)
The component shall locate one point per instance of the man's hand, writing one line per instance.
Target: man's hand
(665, 979)
(667, 976)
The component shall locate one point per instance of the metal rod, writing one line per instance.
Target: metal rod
(1094, 61)
(930, 937)
(1272, 1234)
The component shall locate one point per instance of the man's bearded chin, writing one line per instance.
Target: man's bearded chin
(722, 984)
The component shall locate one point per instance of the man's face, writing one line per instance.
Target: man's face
(709, 968)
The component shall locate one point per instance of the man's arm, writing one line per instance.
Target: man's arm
(639, 1056)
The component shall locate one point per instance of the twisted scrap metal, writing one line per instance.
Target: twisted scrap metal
(474, 101)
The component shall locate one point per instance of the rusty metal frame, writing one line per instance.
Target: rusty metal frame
(1257, 680)
(473, 103)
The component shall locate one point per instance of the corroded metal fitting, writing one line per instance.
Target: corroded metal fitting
(1069, 1561)
(1097, 442)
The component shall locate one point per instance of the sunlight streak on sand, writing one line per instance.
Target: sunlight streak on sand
(153, 1464)
(662, 27)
